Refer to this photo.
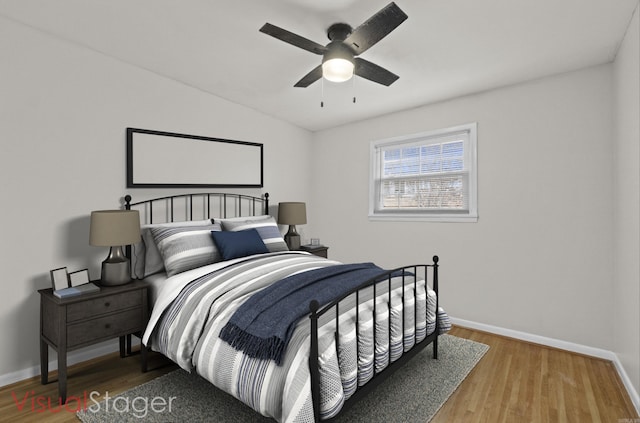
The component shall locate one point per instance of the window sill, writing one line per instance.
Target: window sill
(399, 217)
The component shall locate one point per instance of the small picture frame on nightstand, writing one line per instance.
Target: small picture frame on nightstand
(79, 277)
(59, 278)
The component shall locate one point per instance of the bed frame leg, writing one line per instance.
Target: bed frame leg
(436, 259)
(314, 369)
(435, 348)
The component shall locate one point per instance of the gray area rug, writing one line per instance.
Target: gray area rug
(414, 393)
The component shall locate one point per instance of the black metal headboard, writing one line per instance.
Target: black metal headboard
(195, 206)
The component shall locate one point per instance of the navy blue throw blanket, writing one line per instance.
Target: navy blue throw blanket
(262, 326)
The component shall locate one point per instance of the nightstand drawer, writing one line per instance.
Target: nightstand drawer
(107, 304)
(105, 327)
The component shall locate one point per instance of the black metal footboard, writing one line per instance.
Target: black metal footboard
(427, 272)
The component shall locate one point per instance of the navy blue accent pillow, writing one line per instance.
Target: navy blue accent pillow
(238, 244)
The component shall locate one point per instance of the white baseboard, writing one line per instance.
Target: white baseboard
(564, 345)
(635, 397)
(73, 357)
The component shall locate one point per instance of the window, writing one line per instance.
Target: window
(428, 176)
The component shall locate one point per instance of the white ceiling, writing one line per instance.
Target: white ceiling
(447, 48)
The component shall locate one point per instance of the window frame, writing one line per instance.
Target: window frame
(442, 215)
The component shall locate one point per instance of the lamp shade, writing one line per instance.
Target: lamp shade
(111, 228)
(292, 213)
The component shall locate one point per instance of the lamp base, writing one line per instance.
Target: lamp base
(115, 269)
(292, 238)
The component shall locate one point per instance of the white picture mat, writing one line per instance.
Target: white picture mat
(172, 160)
(79, 277)
(60, 278)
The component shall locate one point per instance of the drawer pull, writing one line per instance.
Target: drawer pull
(107, 304)
(107, 326)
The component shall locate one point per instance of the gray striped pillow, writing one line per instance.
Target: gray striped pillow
(146, 259)
(186, 247)
(266, 227)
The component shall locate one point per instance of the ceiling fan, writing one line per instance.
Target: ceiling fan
(339, 61)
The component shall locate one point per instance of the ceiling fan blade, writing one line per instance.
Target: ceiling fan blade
(293, 39)
(375, 28)
(373, 72)
(310, 78)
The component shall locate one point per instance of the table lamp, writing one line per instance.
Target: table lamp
(115, 228)
(292, 213)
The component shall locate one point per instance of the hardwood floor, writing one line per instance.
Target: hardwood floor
(109, 374)
(514, 382)
(518, 381)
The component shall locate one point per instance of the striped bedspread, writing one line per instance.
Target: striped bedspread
(193, 307)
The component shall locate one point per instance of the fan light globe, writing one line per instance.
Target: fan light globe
(337, 70)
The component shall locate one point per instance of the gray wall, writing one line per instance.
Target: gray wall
(626, 310)
(540, 258)
(63, 114)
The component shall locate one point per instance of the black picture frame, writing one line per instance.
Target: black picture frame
(79, 277)
(158, 159)
(59, 278)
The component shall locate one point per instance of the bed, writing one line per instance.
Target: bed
(294, 336)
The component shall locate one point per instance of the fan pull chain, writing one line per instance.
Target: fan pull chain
(322, 93)
(354, 88)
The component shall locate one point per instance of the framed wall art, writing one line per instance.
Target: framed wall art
(158, 159)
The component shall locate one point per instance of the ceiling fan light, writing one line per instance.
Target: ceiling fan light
(337, 70)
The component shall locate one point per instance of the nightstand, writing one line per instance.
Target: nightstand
(318, 250)
(86, 319)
